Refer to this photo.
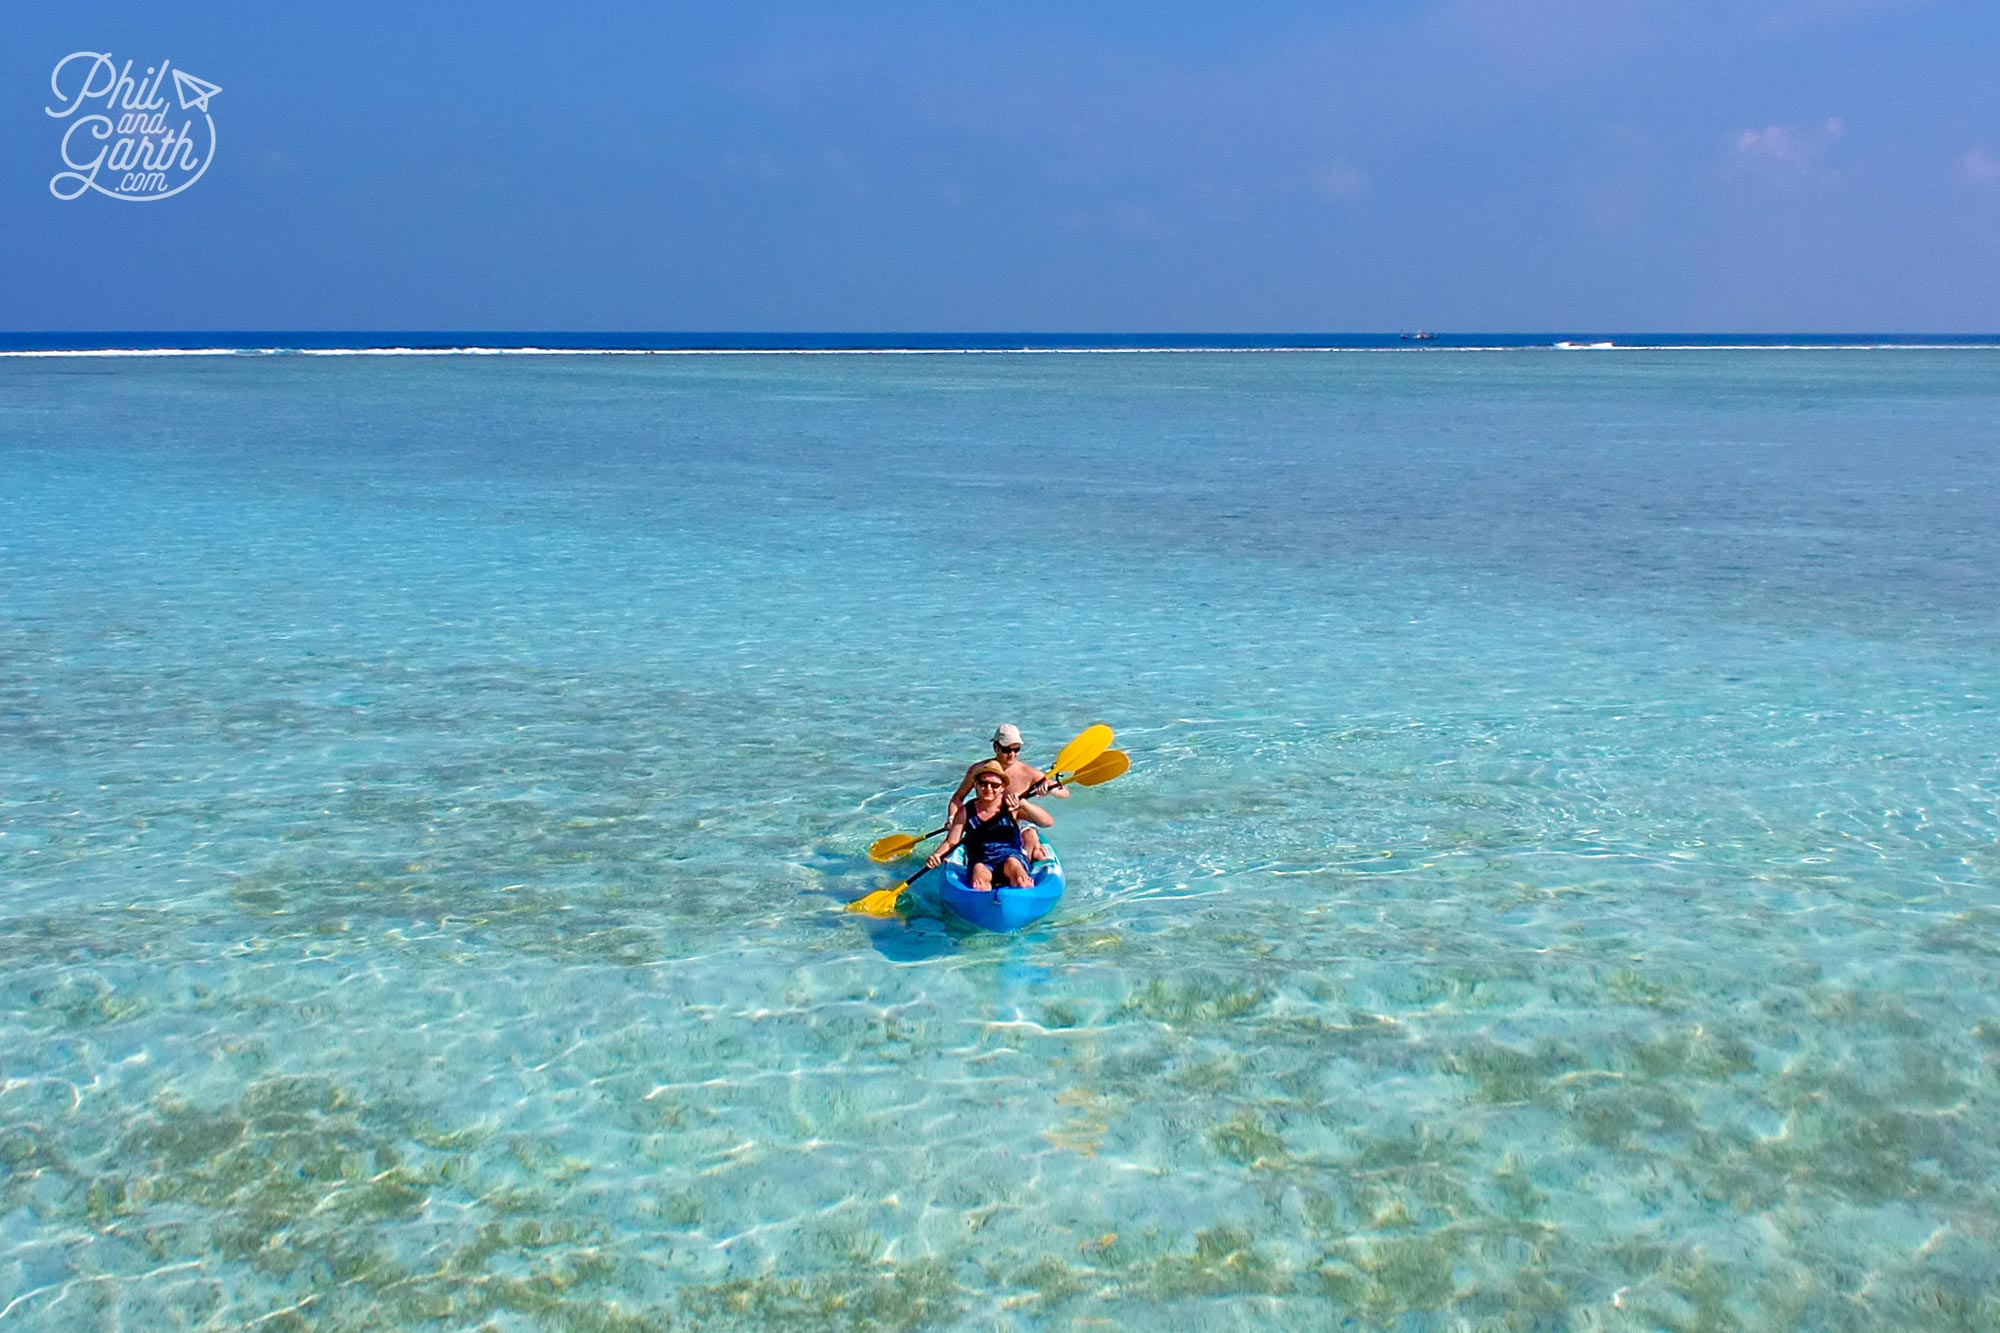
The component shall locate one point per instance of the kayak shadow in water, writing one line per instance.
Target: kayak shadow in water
(918, 931)
(923, 930)
(913, 937)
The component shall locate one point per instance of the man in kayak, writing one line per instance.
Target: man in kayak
(991, 827)
(1023, 779)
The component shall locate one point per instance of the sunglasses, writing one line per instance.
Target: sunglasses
(991, 782)
(1008, 749)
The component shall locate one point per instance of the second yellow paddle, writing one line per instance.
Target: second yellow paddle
(1089, 745)
(1109, 765)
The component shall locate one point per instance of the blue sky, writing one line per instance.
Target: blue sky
(1757, 165)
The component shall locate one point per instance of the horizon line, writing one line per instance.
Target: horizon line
(1558, 331)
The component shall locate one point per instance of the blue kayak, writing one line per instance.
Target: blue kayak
(1002, 908)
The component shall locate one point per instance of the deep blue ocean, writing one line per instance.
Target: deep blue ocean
(1557, 886)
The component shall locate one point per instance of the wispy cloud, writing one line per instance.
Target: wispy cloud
(1784, 150)
(1981, 169)
(1342, 182)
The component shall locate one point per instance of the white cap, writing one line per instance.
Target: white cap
(1007, 734)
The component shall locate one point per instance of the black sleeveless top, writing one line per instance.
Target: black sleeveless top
(992, 839)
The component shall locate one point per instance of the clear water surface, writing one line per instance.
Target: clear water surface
(1557, 885)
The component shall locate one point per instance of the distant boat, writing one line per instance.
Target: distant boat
(1576, 346)
(1418, 337)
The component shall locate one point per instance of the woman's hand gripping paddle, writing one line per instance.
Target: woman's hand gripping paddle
(1077, 758)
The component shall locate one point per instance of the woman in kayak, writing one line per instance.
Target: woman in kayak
(991, 826)
(1023, 779)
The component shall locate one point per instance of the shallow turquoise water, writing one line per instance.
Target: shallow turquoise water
(1556, 887)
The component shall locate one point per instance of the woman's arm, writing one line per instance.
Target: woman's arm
(954, 833)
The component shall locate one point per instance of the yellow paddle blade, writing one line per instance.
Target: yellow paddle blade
(1110, 764)
(882, 902)
(1093, 742)
(893, 848)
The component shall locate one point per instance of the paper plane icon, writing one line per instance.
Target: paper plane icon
(194, 93)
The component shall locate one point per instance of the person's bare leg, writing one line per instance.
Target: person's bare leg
(1031, 843)
(1016, 873)
(980, 877)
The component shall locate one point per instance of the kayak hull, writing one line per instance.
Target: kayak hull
(1003, 908)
